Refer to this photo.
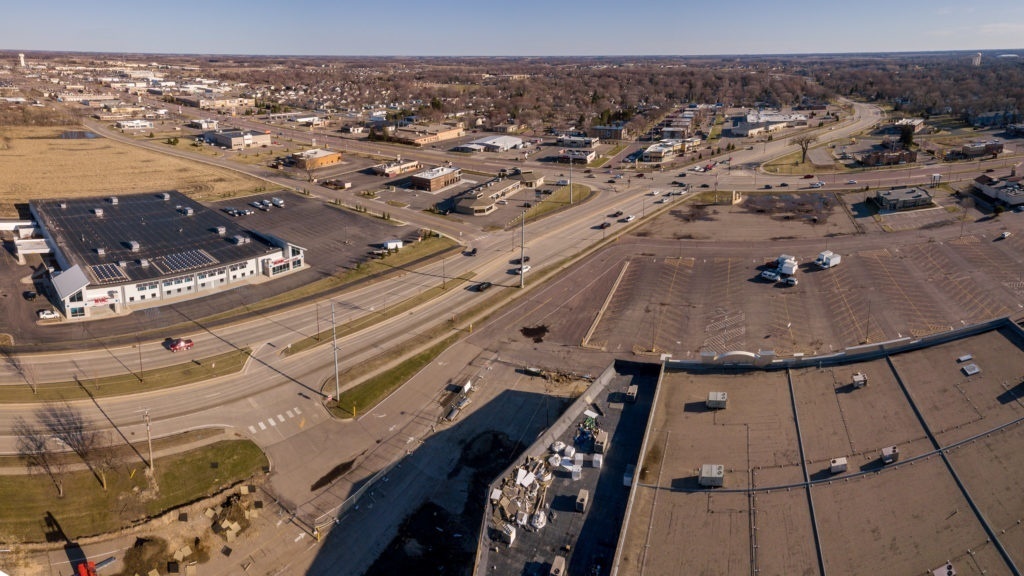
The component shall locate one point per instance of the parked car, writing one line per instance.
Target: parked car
(48, 314)
(1005, 235)
(790, 281)
(277, 202)
(770, 275)
(180, 344)
(29, 295)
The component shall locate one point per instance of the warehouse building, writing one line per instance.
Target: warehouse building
(117, 253)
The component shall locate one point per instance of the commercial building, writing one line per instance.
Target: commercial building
(499, 143)
(611, 132)
(576, 156)
(239, 139)
(396, 168)
(1009, 191)
(888, 157)
(118, 252)
(217, 103)
(422, 135)
(204, 124)
(484, 198)
(436, 178)
(133, 124)
(316, 158)
(976, 149)
(578, 141)
(903, 198)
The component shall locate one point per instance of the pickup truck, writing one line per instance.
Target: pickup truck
(180, 344)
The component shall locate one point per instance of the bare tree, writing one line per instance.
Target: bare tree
(804, 142)
(32, 446)
(67, 424)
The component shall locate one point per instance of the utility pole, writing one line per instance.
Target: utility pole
(571, 162)
(149, 440)
(334, 342)
(522, 251)
(316, 303)
(138, 345)
(442, 274)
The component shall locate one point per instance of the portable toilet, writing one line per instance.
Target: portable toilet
(712, 475)
(837, 465)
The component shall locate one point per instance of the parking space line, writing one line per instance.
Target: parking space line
(262, 425)
(297, 411)
(280, 418)
(252, 429)
(290, 413)
(271, 422)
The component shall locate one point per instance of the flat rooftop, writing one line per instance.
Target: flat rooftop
(170, 239)
(958, 437)
(435, 172)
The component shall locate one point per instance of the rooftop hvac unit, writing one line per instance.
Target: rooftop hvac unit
(98, 212)
(113, 200)
(837, 465)
(188, 211)
(220, 230)
(121, 264)
(717, 399)
(712, 475)
(100, 251)
(144, 262)
(63, 205)
(133, 245)
(239, 239)
(165, 196)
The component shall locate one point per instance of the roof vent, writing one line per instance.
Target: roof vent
(98, 212)
(133, 245)
(101, 251)
(239, 239)
(113, 200)
(122, 264)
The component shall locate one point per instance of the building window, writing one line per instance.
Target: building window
(76, 297)
(131, 299)
(78, 312)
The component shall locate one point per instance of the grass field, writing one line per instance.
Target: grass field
(40, 164)
(86, 509)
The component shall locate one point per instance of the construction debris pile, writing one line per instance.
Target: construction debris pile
(521, 503)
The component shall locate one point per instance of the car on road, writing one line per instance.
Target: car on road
(29, 295)
(629, 218)
(705, 185)
(604, 225)
(523, 269)
(471, 252)
(615, 214)
(808, 176)
(48, 314)
(180, 344)
(817, 184)
(851, 181)
(770, 275)
(521, 260)
(784, 185)
(483, 286)
(767, 186)
(611, 180)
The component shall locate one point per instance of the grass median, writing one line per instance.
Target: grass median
(131, 382)
(26, 502)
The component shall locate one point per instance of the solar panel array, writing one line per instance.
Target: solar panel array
(108, 273)
(182, 261)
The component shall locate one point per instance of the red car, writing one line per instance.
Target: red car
(179, 344)
(808, 176)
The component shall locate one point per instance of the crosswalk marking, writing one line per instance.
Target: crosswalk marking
(273, 420)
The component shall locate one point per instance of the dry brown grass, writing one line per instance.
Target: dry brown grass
(39, 164)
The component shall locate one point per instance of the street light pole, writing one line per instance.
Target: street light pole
(522, 252)
(334, 343)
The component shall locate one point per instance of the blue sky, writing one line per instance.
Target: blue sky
(516, 28)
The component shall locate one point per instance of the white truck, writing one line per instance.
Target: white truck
(828, 259)
(787, 265)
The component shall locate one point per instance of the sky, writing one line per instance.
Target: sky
(511, 28)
